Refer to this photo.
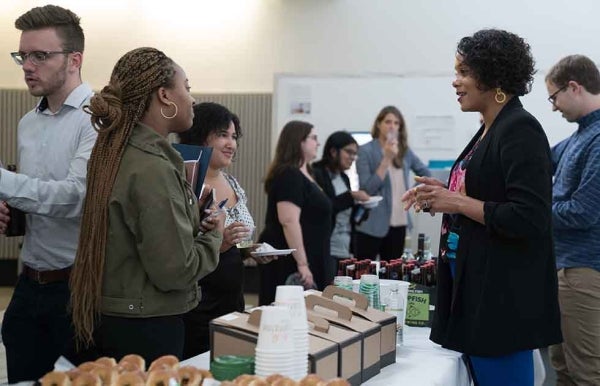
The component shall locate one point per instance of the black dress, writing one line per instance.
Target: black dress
(315, 221)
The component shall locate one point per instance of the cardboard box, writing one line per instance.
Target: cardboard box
(348, 345)
(359, 306)
(341, 315)
(237, 333)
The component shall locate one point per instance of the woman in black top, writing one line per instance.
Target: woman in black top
(298, 213)
(338, 155)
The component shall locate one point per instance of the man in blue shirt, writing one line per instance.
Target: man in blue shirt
(574, 88)
(55, 140)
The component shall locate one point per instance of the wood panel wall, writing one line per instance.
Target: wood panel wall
(249, 167)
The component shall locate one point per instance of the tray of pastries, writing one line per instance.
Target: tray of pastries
(131, 370)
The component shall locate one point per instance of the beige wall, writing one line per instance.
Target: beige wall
(238, 45)
(222, 44)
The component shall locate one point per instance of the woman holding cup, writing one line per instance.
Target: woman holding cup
(383, 166)
(222, 290)
(496, 278)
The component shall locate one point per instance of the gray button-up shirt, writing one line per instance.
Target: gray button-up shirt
(53, 150)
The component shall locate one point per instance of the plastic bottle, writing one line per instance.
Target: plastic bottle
(396, 308)
(427, 252)
(407, 255)
(421, 247)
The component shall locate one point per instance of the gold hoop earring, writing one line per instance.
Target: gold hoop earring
(174, 114)
(500, 96)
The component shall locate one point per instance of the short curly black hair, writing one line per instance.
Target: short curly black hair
(498, 58)
(209, 118)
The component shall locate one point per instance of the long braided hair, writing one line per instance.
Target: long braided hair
(114, 113)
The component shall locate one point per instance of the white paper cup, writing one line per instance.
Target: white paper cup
(292, 297)
(343, 282)
(275, 330)
(289, 292)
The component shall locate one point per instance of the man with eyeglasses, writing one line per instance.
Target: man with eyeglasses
(574, 88)
(55, 140)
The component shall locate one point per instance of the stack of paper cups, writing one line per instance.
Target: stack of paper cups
(275, 344)
(292, 297)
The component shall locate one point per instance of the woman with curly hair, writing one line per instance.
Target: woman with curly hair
(497, 285)
(142, 247)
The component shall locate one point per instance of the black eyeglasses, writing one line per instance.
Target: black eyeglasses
(36, 57)
(552, 98)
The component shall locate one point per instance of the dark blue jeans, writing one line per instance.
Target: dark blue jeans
(36, 328)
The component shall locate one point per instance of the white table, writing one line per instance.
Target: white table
(421, 362)
(418, 362)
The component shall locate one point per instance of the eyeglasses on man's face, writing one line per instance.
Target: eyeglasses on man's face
(36, 57)
(552, 98)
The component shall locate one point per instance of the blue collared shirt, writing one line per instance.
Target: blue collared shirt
(53, 150)
(576, 196)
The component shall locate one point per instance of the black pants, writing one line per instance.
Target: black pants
(36, 328)
(148, 337)
(273, 274)
(389, 247)
(222, 293)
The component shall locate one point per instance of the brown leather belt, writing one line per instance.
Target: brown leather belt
(46, 277)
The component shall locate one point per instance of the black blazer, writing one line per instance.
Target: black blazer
(504, 297)
(340, 202)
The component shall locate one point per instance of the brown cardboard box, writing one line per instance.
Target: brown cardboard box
(348, 344)
(341, 315)
(236, 334)
(359, 306)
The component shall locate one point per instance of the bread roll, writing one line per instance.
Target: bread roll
(162, 377)
(55, 378)
(106, 361)
(135, 360)
(130, 379)
(87, 379)
(311, 380)
(283, 381)
(166, 361)
(189, 376)
(88, 366)
(108, 375)
(338, 382)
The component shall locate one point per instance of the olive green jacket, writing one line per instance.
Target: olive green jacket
(154, 253)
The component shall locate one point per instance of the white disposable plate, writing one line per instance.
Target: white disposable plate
(274, 252)
(371, 200)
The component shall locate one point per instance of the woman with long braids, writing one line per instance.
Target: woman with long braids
(141, 249)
